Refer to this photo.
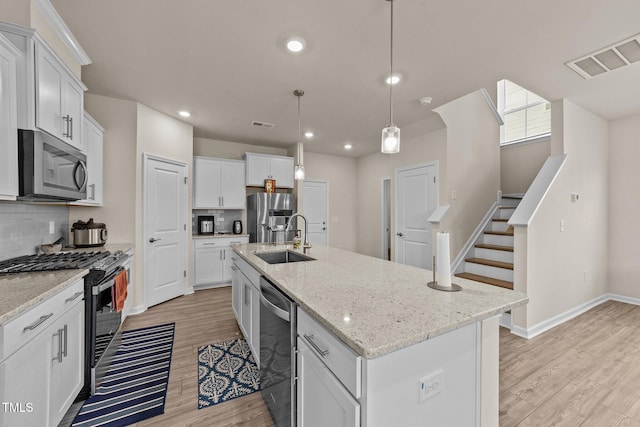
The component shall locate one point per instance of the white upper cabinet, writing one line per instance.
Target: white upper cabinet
(218, 184)
(59, 99)
(8, 121)
(93, 138)
(49, 96)
(264, 166)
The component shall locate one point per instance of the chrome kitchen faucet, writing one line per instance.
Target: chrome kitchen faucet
(306, 244)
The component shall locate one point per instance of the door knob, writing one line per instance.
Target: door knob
(153, 239)
(399, 234)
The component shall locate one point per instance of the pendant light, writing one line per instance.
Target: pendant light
(391, 134)
(299, 169)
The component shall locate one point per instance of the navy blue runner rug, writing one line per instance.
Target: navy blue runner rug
(135, 386)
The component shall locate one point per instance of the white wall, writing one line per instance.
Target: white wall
(624, 206)
(340, 173)
(130, 130)
(473, 165)
(520, 163)
(416, 147)
(566, 269)
(230, 150)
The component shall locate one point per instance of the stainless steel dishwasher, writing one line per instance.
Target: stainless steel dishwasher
(277, 353)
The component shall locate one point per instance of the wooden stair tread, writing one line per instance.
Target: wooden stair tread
(495, 247)
(508, 207)
(500, 219)
(500, 233)
(491, 263)
(487, 280)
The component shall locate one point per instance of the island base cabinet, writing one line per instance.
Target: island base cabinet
(393, 394)
(321, 399)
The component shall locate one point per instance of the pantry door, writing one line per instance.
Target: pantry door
(165, 229)
(416, 199)
(316, 211)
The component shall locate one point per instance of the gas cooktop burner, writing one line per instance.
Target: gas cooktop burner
(51, 262)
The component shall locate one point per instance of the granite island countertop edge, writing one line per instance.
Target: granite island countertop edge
(412, 282)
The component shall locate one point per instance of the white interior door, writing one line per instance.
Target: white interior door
(165, 211)
(315, 209)
(416, 199)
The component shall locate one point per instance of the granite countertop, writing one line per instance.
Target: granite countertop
(24, 290)
(217, 235)
(377, 306)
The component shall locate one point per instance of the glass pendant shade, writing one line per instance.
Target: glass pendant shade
(390, 140)
(299, 169)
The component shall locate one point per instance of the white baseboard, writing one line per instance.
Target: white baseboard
(189, 290)
(210, 286)
(541, 327)
(137, 310)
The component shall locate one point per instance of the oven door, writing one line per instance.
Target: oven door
(105, 328)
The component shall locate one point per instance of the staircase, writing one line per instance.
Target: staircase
(490, 260)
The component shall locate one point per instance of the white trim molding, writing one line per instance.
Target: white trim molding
(438, 215)
(492, 106)
(65, 34)
(548, 324)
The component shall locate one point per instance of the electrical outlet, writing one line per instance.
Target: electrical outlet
(430, 386)
(562, 225)
(454, 195)
(52, 227)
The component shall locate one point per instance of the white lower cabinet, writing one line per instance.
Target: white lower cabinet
(41, 371)
(245, 298)
(67, 375)
(212, 259)
(321, 399)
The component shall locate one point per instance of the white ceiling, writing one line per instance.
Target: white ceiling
(225, 61)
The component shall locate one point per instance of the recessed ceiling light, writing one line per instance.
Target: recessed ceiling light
(348, 146)
(296, 44)
(184, 113)
(393, 79)
(308, 134)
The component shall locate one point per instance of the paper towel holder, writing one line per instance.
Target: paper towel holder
(434, 284)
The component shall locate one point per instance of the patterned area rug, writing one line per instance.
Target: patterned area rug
(135, 386)
(226, 370)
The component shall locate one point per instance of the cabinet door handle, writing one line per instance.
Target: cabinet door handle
(38, 322)
(65, 132)
(60, 338)
(208, 244)
(64, 351)
(74, 296)
(71, 128)
(93, 192)
(316, 347)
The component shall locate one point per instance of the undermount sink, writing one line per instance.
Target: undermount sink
(280, 257)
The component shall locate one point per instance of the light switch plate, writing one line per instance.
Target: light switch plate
(52, 227)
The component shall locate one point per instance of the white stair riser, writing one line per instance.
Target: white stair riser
(509, 202)
(492, 254)
(489, 271)
(505, 213)
(498, 226)
(492, 239)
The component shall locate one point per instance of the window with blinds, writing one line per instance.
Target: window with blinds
(526, 115)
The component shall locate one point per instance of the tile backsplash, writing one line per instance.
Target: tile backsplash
(24, 227)
(227, 216)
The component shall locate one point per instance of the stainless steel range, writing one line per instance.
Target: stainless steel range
(102, 319)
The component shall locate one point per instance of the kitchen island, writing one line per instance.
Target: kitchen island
(427, 357)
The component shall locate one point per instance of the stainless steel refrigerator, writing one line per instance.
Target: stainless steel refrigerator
(268, 214)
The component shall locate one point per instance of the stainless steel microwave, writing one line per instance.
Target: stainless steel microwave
(50, 169)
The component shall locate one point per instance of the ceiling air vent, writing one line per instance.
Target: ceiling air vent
(612, 57)
(263, 125)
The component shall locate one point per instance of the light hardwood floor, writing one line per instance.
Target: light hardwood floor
(202, 318)
(585, 372)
